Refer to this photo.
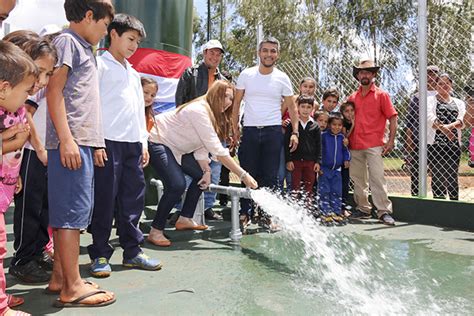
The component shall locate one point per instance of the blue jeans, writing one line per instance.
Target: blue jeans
(210, 197)
(259, 155)
(71, 192)
(283, 174)
(172, 176)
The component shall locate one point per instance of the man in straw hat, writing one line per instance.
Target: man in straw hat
(372, 110)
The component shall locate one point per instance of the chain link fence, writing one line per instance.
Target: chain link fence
(450, 47)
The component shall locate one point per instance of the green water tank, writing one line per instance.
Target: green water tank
(168, 23)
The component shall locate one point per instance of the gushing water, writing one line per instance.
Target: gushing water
(339, 270)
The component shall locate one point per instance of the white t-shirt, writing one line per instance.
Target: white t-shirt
(263, 95)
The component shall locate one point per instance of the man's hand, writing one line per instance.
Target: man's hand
(145, 158)
(293, 143)
(290, 166)
(346, 164)
(286, 122)
(236, 137)
(316, 167)
(387, 147)
(100, 157)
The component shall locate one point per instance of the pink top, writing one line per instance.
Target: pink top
(11, 162)
(188, 131)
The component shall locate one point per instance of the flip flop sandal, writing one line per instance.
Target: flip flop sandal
(77, 302)
(14, 301)
(47, 291)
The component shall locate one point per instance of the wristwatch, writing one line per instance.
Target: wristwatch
(297, 134)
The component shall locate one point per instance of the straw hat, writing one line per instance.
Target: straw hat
(367, 64)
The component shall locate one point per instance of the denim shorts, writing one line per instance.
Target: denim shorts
(71, 192)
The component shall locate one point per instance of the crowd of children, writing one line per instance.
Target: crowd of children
(319, 168)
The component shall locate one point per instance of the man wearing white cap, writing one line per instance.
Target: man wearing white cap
(194, 82)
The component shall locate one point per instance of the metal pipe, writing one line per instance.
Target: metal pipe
(230, 191)
(159, 187)
(198, 217)
(235, 195)
(422, 61)
(235, 232)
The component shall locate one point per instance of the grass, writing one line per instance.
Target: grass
(395, 164)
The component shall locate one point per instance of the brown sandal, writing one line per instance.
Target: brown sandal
(159, 243)
(180, 226)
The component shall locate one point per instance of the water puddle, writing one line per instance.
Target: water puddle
(354, 274)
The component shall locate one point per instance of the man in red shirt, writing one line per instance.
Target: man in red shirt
(372, 110)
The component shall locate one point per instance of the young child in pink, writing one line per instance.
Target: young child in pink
(18, 75)
(11, 162)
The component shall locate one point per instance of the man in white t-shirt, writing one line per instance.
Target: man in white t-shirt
(263, 88)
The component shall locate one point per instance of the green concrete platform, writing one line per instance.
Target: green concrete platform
(204, 274)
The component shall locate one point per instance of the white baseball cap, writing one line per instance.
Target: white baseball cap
(212, 44)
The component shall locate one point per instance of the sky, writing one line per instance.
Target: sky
(25, 15)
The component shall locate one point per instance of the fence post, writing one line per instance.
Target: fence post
(422, 53)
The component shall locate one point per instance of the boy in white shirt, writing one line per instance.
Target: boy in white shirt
(119, 178)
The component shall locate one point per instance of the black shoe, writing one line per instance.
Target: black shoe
(30, 273)
(223, 201)
(211, 215)
(357, 214)
(46, 261)
(471, 163)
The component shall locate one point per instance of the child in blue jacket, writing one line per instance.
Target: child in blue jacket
(335, 156)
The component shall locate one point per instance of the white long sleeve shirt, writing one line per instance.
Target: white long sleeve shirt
(122, 102)
(188, 131)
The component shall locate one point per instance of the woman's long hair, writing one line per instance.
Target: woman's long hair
(215, 98)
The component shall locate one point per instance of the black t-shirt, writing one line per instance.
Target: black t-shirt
(446, 113)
